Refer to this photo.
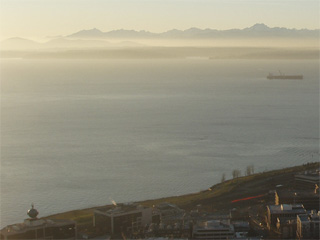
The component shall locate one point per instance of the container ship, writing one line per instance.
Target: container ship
(283, 76)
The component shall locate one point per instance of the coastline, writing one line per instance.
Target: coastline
(169, 52)
(215, 198)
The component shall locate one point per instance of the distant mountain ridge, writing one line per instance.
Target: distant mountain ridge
(62, 43)
(257, 30)
(95, 38)
(19, 43)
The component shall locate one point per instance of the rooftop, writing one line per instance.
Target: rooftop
(242, 224)
(303, 217)
(29, 224)
(313, 216)
(296, 193)
(214, 225)
(287, 208)
(309, 176)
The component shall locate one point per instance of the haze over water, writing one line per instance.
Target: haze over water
(76, 133)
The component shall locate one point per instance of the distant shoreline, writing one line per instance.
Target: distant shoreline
(167, 53)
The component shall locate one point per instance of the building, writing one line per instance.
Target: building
(303, 226)
(283, 211)
(34, 228)
(241, 226)
(176, 231)
(170, 213)
(307, 180)
(125, 218)
(287, 228)
(309, 198)
(308, 226)
(213, 229)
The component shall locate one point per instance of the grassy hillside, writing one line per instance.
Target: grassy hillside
(219, 195)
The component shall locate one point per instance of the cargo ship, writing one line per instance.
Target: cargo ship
(283, 76)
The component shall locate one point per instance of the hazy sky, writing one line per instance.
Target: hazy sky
(40, 18)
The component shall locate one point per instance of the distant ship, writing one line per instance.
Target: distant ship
(283, 76)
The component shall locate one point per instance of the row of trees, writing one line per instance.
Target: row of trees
(237, 173)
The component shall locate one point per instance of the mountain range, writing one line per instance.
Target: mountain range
(63, 43)
(257, 30)
(94, 38)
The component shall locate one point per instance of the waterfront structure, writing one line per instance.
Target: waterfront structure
(283, 211)
(35, 228)
(308, 226)
(124, 218)
(213, 229)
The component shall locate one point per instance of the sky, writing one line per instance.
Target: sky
(42, 18)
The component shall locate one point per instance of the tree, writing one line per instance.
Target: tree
(236, 173)
(249, 170)
(223, 177)
(252, 169)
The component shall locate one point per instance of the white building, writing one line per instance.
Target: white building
(124, 218)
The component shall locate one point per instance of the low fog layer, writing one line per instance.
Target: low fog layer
(172, 52)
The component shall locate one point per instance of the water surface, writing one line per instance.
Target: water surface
(75, 133)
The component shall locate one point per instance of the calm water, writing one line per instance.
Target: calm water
(76, 133)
